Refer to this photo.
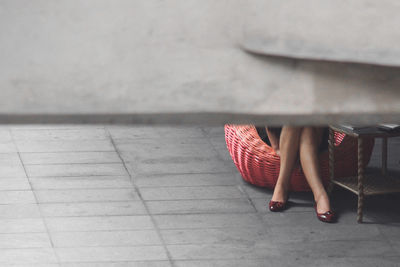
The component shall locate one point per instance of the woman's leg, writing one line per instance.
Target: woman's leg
(289, 148)
(310, 141)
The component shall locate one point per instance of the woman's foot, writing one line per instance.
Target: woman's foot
(276, 206)
(279, 199)
(323, 210)
(327, 217)
(280, 194)
(322, 203)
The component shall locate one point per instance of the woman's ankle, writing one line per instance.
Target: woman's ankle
(321, 196)
(280, 193)
(323, 203)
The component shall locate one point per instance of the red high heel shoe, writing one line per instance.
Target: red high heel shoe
(328, 216)
(276, 206)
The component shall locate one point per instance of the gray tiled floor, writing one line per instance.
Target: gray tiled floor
(94, 196)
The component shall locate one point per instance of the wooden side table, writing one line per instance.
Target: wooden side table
(364, 184)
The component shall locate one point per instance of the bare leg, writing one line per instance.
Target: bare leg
(289, 148)
(310, 140)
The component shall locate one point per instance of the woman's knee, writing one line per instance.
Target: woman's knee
(292, 129)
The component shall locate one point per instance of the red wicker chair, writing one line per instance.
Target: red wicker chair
(259, 166)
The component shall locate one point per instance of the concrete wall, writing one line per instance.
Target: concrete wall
(171, 61)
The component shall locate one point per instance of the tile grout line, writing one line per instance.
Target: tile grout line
(246, 195)
(158, 231)
(37, 203)
(72, 163)
(215, 150)
(70, 202)
(238, 186)
(150, 174)
(385, 238)
(69, 152)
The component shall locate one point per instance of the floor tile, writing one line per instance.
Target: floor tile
(8, 147)
(193, 179)
(257, 192)
(341, 248)
(75, 170)
(177, 164)
(219, 145)
(390, 231)
(16, 211)
(65, 126)
(10, 166)
(132, 150)
(155, 132)
(205, 192)
(190, 221)
(240, 235)
(27, 256)
(322, 233)
(28, 225)
(32, 265)
(99, 223)
(120, 264)
(17, 197)
(90, 254)
(395, 246)
(54, 134)
(8, 159)
(93, 209)
(5, 135)
(70, 157)
(106, 238)
(225, 263)
(83, 182)
(14, 184)
(216, 131)
(200, 206)
(11, 171)
(222, 251)
(24, 240)
(64, 145)
(293, 261)
(85, 195)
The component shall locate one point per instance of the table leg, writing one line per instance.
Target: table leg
(384, 156)
(360, 181)
(331, 160)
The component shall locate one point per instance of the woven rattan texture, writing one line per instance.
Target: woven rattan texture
(259, 165)
(374, 184)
